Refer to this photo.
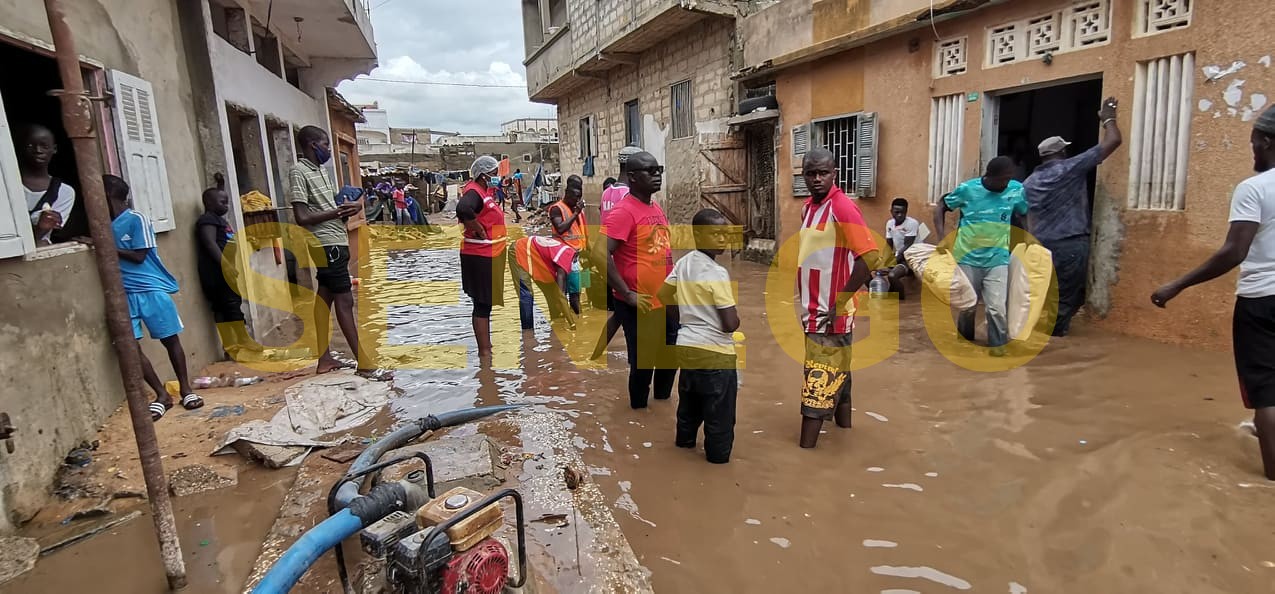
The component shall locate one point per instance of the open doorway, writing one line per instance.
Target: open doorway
(760, 143)
(1069, 110)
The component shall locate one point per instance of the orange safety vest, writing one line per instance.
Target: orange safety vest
(530, 259)
(574, 237)
(492, 219)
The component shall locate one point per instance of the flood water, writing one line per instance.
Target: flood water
(1105, 464)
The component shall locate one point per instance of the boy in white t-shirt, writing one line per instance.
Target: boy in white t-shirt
(49, 200)
(699, 296)
(900, 233)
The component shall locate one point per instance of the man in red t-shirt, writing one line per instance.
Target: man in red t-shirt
(832, 265)
(639, 259)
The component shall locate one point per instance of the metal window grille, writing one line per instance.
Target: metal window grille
(1161, 139)
(683, 110)
(839, 136)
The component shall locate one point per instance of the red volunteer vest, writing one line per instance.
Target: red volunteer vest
(492, 220)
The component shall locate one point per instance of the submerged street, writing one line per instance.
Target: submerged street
(1104, 464)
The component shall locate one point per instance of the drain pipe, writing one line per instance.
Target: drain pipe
(349, 490)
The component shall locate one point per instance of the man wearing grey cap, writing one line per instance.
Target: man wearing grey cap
(1249, 244)
(1058, 193)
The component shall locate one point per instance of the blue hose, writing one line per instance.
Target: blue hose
(302, 554)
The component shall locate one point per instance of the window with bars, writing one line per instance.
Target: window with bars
(950, 57)
(1080, 25)
(1158, 16)
(683, 110)
(1161, 141)
(853, 142)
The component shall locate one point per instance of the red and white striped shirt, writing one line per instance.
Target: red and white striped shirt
(832, 235)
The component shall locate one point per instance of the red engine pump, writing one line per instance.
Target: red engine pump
(480, 570)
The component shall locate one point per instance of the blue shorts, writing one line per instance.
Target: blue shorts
(573, 279)
(157, 309)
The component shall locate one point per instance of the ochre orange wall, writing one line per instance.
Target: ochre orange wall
(1140, 249)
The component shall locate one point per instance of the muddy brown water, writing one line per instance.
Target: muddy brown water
(1105, 464)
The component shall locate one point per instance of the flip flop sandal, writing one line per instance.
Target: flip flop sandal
(192, 402)
(376, 375)
(339, 366)
(157, 410)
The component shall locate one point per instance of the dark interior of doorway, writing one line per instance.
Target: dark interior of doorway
(760, 143)
(27, 101)
(1069, 110)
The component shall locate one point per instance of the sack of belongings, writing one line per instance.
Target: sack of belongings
(1030, 269)
(941, 276)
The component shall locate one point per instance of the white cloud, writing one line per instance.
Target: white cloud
(449, 46)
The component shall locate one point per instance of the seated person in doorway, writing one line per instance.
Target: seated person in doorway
(547, 262)
(701, 302)
(212, 234)
(567, 216)
(49, 199)
(900, 233)
(149, 288)
(989, 206)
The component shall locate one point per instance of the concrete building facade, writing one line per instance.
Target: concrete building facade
(174, 74)
(654, 73)
(272, 74)
(950, 85)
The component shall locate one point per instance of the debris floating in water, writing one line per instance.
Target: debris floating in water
(782, 542)
(1017, 588)
(879, 544)
(673, 561)
(877, 416)
(646, 444)
(752, 522)
(875, 469)
(909, 486)
(925, 573)
(932, 474)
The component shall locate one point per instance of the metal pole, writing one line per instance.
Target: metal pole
(78, 121)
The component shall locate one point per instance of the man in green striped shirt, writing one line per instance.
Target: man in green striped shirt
(314, 207)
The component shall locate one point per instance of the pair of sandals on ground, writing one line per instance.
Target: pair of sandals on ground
(192, 401)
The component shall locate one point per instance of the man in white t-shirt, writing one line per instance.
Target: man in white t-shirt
(49, 201)
(698, 295)
(1250, 244)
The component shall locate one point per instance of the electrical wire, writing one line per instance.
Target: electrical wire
(932, 25)
(441, 84)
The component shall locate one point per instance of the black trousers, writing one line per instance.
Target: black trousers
(706, 394)
(649, 337)
(1071, 265)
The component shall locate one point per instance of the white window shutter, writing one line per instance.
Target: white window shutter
(16, 235)
(141, 151)
(800, 141)
(866, 155)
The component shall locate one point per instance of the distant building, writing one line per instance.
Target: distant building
(545, 128)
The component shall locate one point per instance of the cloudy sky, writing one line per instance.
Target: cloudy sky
(450, 41)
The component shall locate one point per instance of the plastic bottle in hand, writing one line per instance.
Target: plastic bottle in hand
(879, 286)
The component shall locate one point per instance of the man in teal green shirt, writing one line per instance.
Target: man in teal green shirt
(989, 207)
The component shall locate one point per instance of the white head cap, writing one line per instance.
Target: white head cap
(483, 164)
